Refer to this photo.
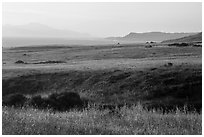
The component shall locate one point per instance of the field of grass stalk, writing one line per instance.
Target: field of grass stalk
(92, 121)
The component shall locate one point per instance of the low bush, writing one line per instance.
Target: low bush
(38, 102)
(17, 100)
(49, 62)
(20, 62)
(65, 100)
(58, 101)
(179, 44)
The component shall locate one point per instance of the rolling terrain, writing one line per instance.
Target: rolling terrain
(105, 74)
(159, 78)
(187, 39)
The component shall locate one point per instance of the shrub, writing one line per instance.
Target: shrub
(179, 44)
(168, 64)
(39, 102)
(20, 62)
(16, 100)
(65, 101)
(56, 101)
(49, 62)
(148, 46)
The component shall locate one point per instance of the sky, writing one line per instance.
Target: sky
(107, 19)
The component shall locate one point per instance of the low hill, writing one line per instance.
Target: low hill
(187, 39)
(150, 36)
(39, 30)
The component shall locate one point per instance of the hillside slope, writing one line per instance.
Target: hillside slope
(150, 36)
(192, 38)
(178, 86)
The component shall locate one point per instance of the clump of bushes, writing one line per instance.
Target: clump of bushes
(41, 62)
(148, 46)
(64, 101)
(16, 100)
(20, 62)
(169, 64)
(179, 44)
(197, 45)
(56, 101)
(50, 62)
(38, 102)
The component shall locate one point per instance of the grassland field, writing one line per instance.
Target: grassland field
(162, 79)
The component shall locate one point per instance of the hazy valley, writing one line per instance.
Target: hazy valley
(104, 68)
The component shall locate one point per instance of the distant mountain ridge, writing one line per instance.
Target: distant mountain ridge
(191, 38)
(150, 36)
(38, 30)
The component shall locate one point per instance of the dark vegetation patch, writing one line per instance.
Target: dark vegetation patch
(197, 45)
(61, 101)
(17, 100)
(169, 64)
(148, 46)
(164, 87)
(57, 101)
(153, 69)
(49, 62)
(41, 62)
(20, 62)
(179, 44)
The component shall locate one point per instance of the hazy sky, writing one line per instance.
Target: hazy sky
(108, 19)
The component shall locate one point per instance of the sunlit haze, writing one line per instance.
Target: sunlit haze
(108, 19)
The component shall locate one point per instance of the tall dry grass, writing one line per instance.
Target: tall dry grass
(134, 120)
